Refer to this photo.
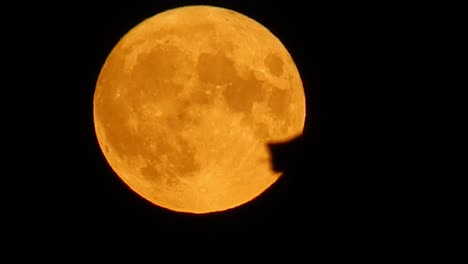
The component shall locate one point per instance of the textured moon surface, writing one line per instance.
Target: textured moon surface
(186, 103)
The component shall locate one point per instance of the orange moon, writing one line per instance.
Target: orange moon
(186, 103)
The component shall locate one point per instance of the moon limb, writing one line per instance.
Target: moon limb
(198, 109)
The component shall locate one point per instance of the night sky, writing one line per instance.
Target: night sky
(376, 170)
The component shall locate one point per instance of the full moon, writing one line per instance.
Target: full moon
(187, 102)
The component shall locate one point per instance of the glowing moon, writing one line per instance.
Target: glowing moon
(186, 103)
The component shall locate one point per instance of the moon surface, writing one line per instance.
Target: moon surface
(186, 103)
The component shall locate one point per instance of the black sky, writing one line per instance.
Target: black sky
(378, 164)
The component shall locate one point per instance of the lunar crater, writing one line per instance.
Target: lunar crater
(175, 156)
(239, 92)
(274, 64)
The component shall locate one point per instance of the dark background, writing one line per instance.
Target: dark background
(377, 171)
